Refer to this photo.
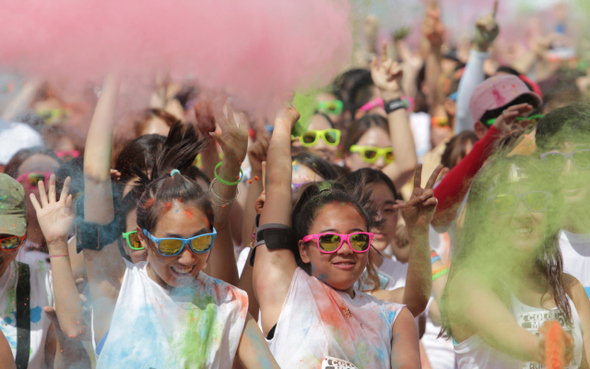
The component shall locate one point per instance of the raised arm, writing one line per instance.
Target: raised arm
(486, 31)
(234, 144)
(105, 268)
(274, 269)
(56, 219)
(418, 213)
(387, 76)
(453, 187)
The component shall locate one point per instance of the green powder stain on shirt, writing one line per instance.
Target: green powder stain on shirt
(202, 331)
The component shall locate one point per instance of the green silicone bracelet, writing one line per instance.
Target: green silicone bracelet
(440, 274)
(224, 181)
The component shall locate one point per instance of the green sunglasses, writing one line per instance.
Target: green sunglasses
(132, 240)
(371, 154)
(533, 119)
(310, 138)
(333, 107)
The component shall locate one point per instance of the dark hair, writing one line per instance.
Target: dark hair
(522, 99)
(313, 196)
(455, 148)
(361, 93)
(160, 189)
(73, 169)
(133, 125)
(478, 233)
(360, 127)
(361, 182)
(346, 83)
(570, 123)
(317, 165)
(23, 154)
(140, 153)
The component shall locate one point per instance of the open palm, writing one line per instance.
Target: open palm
(418, 211)
(56, 218)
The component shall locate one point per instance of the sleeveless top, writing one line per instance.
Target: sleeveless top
(195, 327)
(475, 353)
(319, 323)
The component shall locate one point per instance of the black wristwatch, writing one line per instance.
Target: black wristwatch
(393, 105)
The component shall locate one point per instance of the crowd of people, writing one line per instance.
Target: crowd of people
(433, 214)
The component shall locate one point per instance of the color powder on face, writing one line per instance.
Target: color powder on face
(188, 214)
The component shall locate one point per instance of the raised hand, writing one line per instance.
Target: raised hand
(286, 118)
(507, 120)
(486, 30)
(257, 152)
(56, 218)
(418, 211)
(233, 139)
(433, 28)
(386, 73)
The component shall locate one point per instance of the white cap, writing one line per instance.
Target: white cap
(14, 137)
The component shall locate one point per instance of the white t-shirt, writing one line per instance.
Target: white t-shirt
(475, 353)
(29, 253)
(15, 136)
(195, 327)
(575, 249)
(318, 322)
(41, 295)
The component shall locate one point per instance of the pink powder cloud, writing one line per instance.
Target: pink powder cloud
(255, 48)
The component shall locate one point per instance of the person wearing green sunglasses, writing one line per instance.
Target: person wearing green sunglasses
(321, 139)
(563, 141)
(168, 310)
(509, 272)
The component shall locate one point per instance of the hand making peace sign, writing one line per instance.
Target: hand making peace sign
(418, 211)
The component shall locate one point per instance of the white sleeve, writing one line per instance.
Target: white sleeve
(472, 76)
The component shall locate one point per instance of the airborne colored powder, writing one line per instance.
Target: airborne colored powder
(256, 50)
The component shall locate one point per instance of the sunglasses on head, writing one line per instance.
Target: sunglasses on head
(533, 119)
(407, 100)
(173, 246)
(11, 242)
(333, 107)
(370, 154)
(330, 136)
(535, 201)
(133, 240)
(33, 178)
(53, 116)
(67, 155)
(556, 160)
(329, 243)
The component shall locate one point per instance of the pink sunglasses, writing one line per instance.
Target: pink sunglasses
(329, 242)
(33, 178)
(68, 154)
(408, 101)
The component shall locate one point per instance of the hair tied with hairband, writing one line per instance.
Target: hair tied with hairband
(325, 188)
(174, 171)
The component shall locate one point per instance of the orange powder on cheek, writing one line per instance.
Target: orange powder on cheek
(188, 214)
(167, 207)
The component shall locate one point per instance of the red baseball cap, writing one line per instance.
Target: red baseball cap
(496, 92)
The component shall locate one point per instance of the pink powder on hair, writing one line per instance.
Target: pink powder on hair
(256, 49)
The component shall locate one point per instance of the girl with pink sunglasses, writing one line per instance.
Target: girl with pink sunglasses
(304, 277)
